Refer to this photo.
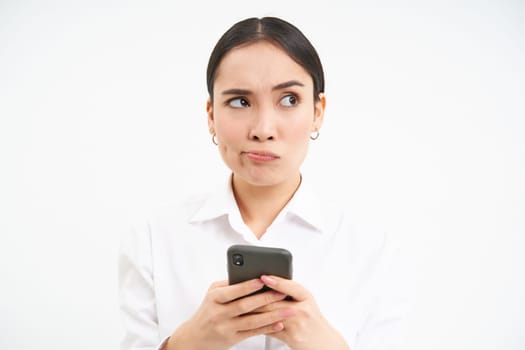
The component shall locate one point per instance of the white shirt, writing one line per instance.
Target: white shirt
(167, 264)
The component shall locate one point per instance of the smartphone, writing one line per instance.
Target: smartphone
(247, 262)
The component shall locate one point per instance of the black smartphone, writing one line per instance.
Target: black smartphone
(247, 262)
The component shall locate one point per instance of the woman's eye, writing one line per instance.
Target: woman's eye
(289, 100)
(238, 102)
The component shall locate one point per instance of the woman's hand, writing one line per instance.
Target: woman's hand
(223, 319)
(305, 328)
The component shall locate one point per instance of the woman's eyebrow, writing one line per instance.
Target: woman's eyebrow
(287, 84)
(236, 92)
(280, 86)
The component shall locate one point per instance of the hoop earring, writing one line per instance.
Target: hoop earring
(214, 140)
(314, 135)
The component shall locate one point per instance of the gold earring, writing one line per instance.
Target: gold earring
(314, 135)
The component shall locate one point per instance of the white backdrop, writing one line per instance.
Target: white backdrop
(102, 121)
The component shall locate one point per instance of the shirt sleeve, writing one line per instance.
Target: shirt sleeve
(385, 327)
(136, 292)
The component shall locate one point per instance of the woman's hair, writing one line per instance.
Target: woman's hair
(276, 31)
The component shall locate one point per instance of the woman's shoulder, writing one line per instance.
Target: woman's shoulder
(359, 224)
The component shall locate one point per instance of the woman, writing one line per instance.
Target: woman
(266, 102)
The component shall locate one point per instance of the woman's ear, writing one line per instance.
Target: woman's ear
(209, 112)
(319, 112)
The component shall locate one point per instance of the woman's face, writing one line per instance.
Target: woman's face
(263, 114)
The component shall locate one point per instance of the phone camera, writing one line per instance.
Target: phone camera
(237, 259)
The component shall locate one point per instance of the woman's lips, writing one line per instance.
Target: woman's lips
(261, 156)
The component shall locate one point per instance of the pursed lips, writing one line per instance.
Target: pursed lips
(262, 156)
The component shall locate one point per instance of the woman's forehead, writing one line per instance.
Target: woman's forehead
(260, 63)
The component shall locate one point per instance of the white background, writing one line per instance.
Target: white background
(102, 121)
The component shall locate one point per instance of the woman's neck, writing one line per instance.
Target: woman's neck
(260, 205)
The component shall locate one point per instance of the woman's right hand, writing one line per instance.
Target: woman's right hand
(223, 319)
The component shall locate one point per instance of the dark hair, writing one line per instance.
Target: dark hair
(276, 31)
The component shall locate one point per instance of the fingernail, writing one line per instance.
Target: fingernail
(278, 326)
(278, 295)
(258, 284)
(268, 280)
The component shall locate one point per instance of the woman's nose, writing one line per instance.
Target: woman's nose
(264, 126)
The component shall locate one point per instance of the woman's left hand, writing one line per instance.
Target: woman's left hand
(305, 328)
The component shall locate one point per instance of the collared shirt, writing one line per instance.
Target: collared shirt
(354, 273)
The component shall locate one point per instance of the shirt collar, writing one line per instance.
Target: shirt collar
(304, 205)
(218, 203)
